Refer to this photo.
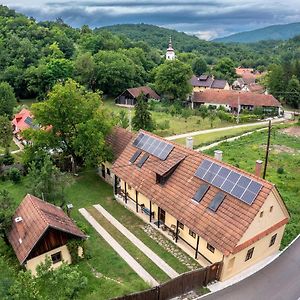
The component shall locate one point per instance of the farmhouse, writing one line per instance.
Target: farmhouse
(128, 97)
(117, 141)
(231, 100)
(204, 82)
(41, 230)
(219, 212)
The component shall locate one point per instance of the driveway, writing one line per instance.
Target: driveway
(280, 280)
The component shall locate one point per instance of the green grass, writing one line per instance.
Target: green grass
(137, 254)
(208, 138)
(244, 152)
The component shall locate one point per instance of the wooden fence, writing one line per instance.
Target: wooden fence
(179, 285)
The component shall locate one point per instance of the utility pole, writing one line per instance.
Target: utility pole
(238, 112)
(267, 150)
(130, 120)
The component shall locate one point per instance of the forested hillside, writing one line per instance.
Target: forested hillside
(275, 32)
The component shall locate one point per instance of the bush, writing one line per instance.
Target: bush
(15, 175)
(280, 170)
(163, 125)
(7, 159)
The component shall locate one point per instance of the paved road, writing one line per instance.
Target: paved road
(138, 243)
(184, 135)
(119, 249)
(280, 280)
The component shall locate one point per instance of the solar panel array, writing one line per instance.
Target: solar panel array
(143, 160)
(229, 181)
(135, 156)
(201, 192)
(217, 201)
(152, 145)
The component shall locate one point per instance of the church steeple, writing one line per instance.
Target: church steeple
(170, 54)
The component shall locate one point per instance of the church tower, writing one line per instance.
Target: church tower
(170, 54)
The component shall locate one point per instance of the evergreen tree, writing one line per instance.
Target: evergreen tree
(293, 92)
(142, 118)
(199, 66)
(7, 99)
(5, 133)
(275, 81)
(123, 119)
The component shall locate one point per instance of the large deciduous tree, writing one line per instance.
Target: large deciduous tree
(7, 99)
(75, 121)
(171, 79)
(199, 66)
(293, 92)
(224, 69)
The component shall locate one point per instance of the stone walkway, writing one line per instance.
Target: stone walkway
(119, 249)
(170, 247)
(138, 243)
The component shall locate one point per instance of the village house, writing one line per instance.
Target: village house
(22, 121)
(40, 230)
(204, 82)
(117, 141)
(129, 96)
(231, 100)
(215, 211)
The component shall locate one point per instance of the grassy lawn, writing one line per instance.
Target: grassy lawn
(108, 274)
(12, 147)
(134, 251)
(208, 138)
(285, 154)
(177, 124)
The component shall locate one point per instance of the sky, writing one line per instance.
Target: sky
(206, 19)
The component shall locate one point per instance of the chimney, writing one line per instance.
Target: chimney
(189, 142)
(218, 155)
(258, 166)
(20, 228)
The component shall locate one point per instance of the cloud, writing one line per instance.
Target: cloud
(205, 19)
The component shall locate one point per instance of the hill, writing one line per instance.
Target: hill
(275, 32)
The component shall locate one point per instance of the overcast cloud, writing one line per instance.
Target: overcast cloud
(206, 19)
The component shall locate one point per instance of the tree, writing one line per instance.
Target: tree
(142, 118)
(171, 79)
(63, 283)
(212, 116)
(77, 123)
(274, 81)
(123, 119)
(6, 133)
(7, 99)
(199, 66)
(224, 69)
(293, 92)
(7, 210)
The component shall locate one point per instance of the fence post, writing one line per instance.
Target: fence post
(207, 273)
(158, 292)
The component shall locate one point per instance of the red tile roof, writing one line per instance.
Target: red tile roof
(222, 229)
(19, 120)
(118, 140)
(146, 90)
(37, 217)
(232, 98)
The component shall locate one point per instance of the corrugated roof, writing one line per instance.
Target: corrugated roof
(222, 229)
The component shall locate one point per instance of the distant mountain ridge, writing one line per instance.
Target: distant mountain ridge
(274, 32)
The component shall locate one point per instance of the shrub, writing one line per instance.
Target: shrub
(15, 175)
(7, 159)
(280, 170)
(163, 125)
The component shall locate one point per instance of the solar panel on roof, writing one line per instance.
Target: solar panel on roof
(216, 201)
(152, 145)
(135, 156)
(231, 182)
(201, 192)
(143, 160)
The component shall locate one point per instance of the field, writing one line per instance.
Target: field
(283, 168)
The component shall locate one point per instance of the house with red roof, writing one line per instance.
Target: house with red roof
(129, 96)
(232, 100)
(204, 82)
(214, 211)
(40, 230)
(22, 121)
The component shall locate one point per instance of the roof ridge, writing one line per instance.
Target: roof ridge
(38, 209)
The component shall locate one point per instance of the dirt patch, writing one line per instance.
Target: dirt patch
(281, 149)
(292, 131)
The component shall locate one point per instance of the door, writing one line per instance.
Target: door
(162, 216)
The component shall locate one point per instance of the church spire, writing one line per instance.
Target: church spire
(170, 54)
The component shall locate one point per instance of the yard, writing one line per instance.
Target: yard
(283, 168)
(108, 275)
